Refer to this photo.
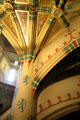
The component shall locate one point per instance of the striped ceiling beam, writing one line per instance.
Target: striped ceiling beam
(3, 1)
(32, 26)
(26, 7)
(23, 7)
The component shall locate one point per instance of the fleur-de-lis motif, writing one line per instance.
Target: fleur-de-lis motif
(21, 105)
(25, 80)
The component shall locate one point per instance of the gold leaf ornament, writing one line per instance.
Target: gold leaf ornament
(7, 7)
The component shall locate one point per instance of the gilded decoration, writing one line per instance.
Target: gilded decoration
(23, 21)
(40, 22)
(7, 7)
(47, 3)
(9, 24)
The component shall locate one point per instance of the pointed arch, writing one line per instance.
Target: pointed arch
(55, 50)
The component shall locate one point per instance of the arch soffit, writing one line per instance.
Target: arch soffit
(64, 43)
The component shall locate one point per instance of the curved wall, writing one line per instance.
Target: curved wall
(59, 98)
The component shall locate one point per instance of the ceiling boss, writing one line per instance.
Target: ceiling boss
(7, 6)
(1, 11)
(56, 12)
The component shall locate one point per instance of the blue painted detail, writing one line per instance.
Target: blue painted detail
(21, 105)
(25, 81)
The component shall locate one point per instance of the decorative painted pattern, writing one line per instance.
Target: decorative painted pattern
(35, 82)
(57, 12)
(1, 27)
(65, 107)
(13, 16)
(21, 105)
(60, 101)
(51, 19)
(27, 56)
(2, 1)
(22, 1)
(69, 48)
(2, 13)
(73, 43)
(44, 9)
(25, 80)
(25, 7)
(32, 9)
(69, 98)
(21, 7)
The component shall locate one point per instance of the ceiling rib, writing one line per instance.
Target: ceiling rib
(56, 13)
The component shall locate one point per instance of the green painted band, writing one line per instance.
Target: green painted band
(33, 13)
(37, 80)
(32, 17)
(67, 50)
(50, 22)
(33, 54)
(78, 41)
(27, 58)
(71, 46)
(34, 85)
(2, 15)
(1, 25)
(21, 7)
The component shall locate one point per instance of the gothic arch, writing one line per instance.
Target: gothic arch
(63, 44)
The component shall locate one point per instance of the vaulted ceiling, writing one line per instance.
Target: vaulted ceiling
(41, 11)
(58, 13)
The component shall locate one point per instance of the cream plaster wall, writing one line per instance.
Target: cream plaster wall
(59, 98)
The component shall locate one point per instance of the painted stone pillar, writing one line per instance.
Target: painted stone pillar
(24, 105)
